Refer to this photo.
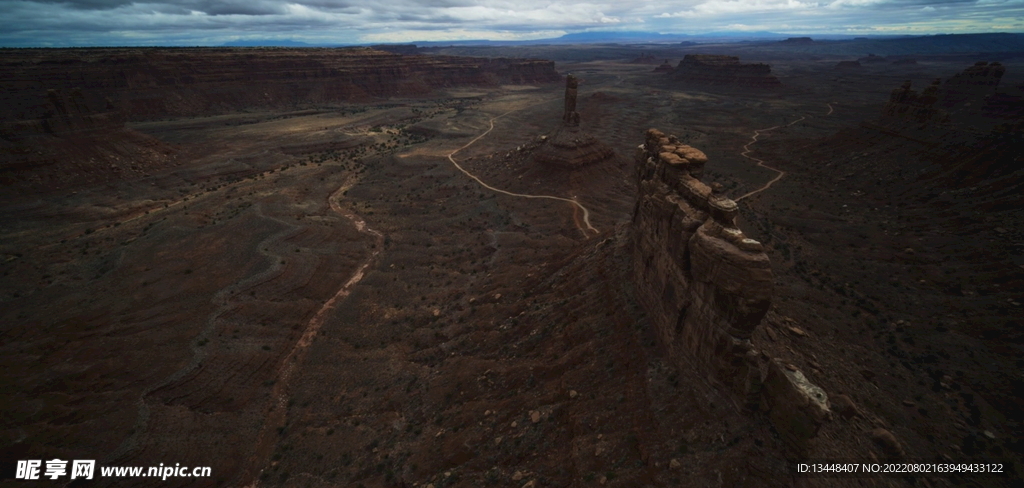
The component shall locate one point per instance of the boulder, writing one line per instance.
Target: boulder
(797, 407)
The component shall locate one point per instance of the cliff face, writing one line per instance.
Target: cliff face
(706, 287)
(705, 69)
(63, 111)
(968, 101)
(974, 128)
(75, 140)
(66, 112)
(153, 83)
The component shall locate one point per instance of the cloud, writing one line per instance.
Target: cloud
(193, 22)
(715, 8)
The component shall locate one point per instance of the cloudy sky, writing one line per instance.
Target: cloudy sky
(211, 22)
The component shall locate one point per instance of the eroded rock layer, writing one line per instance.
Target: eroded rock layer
(75, 140)
(152, 83)
(706, 287)
(569, 146)
(707, 69)
(972, 97)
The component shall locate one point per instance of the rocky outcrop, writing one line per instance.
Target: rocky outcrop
(971, 86)
(154, 83)
(705, 285)
(974, 127)
(906, 103)
(706, 288)
(714, 70)
(968, 101)
(665, 67)
(569, 146)
(75, 141)
(65, 113)
(796, 406)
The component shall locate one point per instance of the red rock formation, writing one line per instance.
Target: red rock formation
(905, 103)
(66, 108)
(705, 69)
(153, 83)
(74, 141)
(971, 86)
(968, 101)
(706, 287)
(665, 67)
(976, 128)
(569, 146)
(796, 406)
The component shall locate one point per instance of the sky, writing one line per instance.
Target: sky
(61, 23)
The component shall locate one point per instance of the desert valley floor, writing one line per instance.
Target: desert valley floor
(336, 295)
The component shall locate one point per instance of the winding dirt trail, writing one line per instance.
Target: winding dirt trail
(276, 415)
(578, 206)
(760, 162)
(753, 139)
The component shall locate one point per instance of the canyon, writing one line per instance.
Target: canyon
(353, 267)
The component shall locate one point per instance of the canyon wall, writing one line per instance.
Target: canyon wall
(714, 70)
(173, 82)
(970, 126)
(63, 111)
(706, 287)
(969, 101)
(75, 140)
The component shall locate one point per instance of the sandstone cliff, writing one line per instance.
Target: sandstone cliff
(67, 108)
(75, 139)
(705, 69)
(969, 101)
(706, 287)
(153, 83)
(972, 127)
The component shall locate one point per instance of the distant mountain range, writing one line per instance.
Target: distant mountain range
(274, 43)
(882, 45)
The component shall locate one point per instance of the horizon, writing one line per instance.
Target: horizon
(176, 23)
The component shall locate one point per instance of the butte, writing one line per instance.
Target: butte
(569, 146)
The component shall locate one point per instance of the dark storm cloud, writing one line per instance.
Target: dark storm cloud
(88, 4)
(97, 22)
(211, 7)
